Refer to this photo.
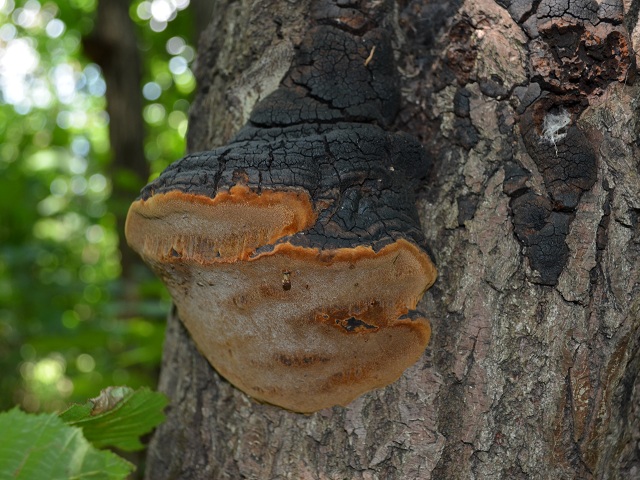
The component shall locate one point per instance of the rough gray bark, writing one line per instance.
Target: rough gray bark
(533, 213)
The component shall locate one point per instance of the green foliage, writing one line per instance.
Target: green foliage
(65, 446)
(69, 324)
(118, 417)
(43, 447)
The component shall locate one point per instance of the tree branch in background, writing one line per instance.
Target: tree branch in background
(114, 46)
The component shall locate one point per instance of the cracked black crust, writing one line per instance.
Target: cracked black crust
(531, 12)
(329, 81)
(543, 232)
(322, 131)
(568, 165)
(577, 48)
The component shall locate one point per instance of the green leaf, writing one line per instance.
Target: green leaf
(34, 447)
(118, 417)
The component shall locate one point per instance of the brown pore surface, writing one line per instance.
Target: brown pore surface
(298, 327)
(227, 228)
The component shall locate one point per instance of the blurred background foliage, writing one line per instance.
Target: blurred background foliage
(72, 319)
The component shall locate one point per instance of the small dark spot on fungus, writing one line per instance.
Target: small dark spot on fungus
(353, 324)
(240, 301)
(300, 359)
(283, 359)
(267, 203)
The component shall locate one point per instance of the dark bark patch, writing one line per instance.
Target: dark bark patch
(343, 72)
(526, 96)
(461, 103)
(542, 232)
(519, 10)
(577, 47)
(570, 57)
(461, 53)
(464, 133)
(515, 179)
(567, 162)
(603, 227)
(423, 21)
(493, 87)
(561, 151)
(467, 206)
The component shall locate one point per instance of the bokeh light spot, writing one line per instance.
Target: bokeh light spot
(151, 91)
(175, 45)
(178, 65)
(48, 370)
(70, 319)
(154, 113)
(161, 10)
(85, 363)
(55, 28)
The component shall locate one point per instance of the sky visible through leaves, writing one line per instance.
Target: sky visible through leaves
(69, 324)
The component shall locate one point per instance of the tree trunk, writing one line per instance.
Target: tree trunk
(532, 211)
(113, 45)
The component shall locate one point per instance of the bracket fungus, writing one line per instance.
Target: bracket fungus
(294, 254)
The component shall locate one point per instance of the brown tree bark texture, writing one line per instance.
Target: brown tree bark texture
(533, 213)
